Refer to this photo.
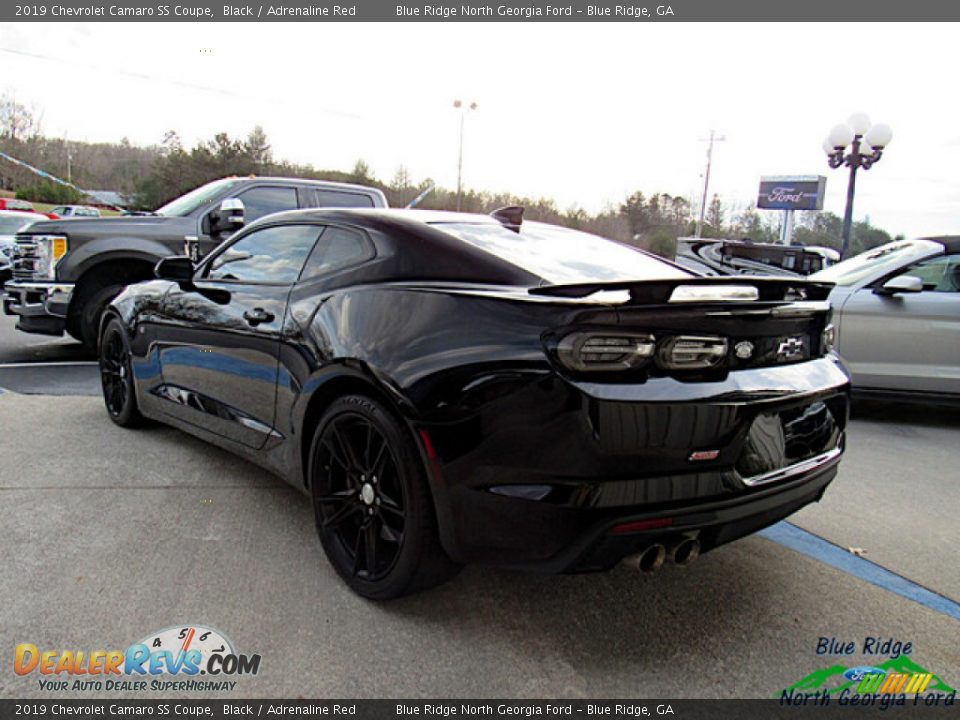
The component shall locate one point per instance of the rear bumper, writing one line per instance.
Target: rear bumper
(712, 523)
(40, 306)
(539, 479)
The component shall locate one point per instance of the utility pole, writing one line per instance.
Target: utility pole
(463, 111)
(66, 147)
(706, 179)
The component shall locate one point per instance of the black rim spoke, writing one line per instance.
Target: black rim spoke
(337, 497)
(341, 514)
(354, 508)
(379, 464)
(366, 448)
(115, 373)
(335, 455)
(346, 447)
(388, 505)
(370, 545)
(356, 552)
(390, 533)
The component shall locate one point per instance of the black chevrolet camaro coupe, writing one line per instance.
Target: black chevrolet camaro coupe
(452, 388)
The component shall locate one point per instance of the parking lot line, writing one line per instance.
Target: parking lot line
(62, 363)
(824, 551)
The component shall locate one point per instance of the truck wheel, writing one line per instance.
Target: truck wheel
(91, 312)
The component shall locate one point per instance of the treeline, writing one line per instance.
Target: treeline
(150, 176)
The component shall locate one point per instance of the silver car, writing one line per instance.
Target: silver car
(897, 314)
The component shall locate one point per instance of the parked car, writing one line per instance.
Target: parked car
(67, 211)
(15, 204)
(897, 312)
(454, 388)
(11, 223)
(711, 256)
(65, 272)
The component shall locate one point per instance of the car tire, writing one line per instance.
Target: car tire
(92, 312)
(372, 505)
(116, 377)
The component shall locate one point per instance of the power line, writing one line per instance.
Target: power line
(169, 81)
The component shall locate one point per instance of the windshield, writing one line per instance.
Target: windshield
(877, 261)
(562, 256)
(13, 225)
(186, 204)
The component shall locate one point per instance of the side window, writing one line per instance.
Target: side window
(272, 255)
(334, 198)
(338, 248)
(260, 201)
(939, 274)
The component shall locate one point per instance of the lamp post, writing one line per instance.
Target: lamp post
(463, 111)
(866, 143)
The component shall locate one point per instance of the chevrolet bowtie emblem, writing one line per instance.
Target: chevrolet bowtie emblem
(790, 348)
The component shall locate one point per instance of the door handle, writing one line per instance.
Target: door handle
(257, 315)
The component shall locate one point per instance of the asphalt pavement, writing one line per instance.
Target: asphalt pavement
(110, 534)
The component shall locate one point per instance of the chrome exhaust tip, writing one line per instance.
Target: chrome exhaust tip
(648, 560)
(684, 552)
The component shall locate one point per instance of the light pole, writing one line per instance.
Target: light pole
(463, 111)
(867, 143)
(706, 180)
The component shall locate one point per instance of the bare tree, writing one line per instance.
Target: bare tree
(17, 121)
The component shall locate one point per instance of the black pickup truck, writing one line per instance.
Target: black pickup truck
(65, 272)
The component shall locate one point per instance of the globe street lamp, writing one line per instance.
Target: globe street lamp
(866, 143)
(463, 111)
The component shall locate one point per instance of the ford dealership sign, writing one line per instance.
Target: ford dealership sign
(791, 192)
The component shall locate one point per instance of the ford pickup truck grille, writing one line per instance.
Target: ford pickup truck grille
(24, 258)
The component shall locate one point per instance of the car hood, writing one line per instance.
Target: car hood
(106, 226)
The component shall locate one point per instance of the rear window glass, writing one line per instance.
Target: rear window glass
(562, 256)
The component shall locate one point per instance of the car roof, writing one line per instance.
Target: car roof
(951, 243)
(379, 216)
(429, 252)
(333, 184)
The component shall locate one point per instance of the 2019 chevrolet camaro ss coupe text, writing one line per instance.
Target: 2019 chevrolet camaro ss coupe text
(453, 388)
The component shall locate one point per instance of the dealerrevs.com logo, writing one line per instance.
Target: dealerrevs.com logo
(178, 658)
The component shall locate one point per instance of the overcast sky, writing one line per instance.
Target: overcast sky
(583, 113)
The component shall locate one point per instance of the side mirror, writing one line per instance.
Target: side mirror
(901, 284)
(229, 216)
(177, 268)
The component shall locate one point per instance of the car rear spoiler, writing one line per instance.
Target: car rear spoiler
(699, 289)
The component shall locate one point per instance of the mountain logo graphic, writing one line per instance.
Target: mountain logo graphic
(897, 675)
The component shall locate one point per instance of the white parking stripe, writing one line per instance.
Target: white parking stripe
(65, 363)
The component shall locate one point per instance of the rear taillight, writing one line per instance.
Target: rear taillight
(603, 352)
(688, 352)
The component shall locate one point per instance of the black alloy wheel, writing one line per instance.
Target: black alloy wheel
(116, 377)
(371, 502)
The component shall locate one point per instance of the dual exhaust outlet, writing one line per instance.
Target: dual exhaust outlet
(680, 552)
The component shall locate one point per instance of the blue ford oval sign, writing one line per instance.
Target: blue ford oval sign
(791, 192)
